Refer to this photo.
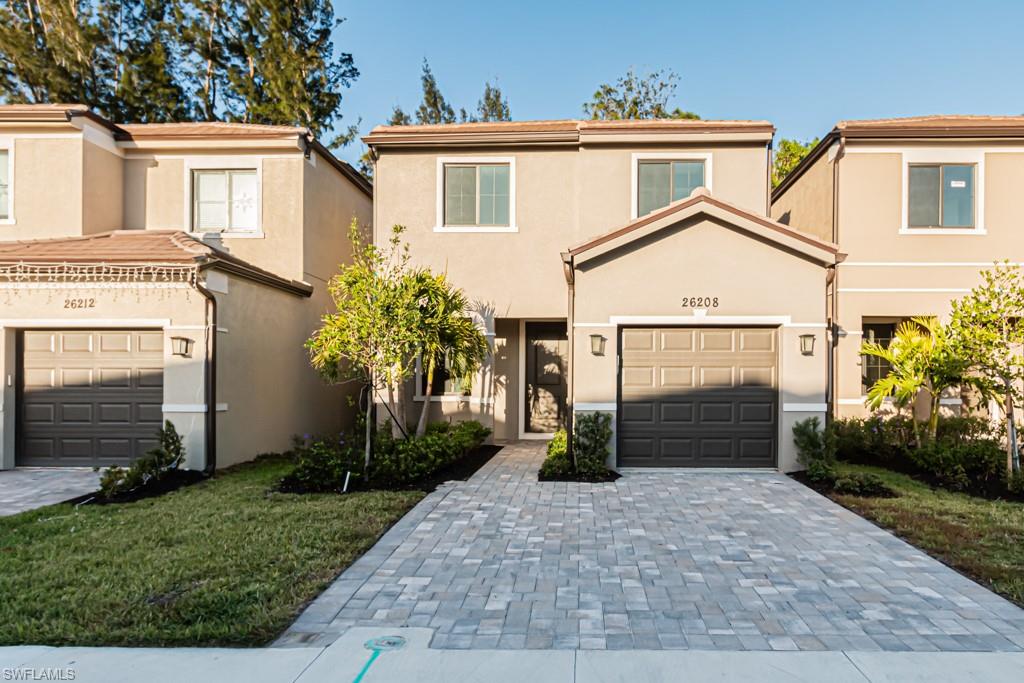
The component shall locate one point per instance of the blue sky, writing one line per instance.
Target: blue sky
(802, 65)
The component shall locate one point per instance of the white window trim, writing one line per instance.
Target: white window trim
(446, 397)
(232, 163)
(943, 155)
(512, 226)
(7, 143)
(634, 181)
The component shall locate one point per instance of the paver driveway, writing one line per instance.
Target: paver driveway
(656, 560)
(27, 488)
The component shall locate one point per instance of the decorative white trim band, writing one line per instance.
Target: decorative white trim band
(853, 401)
(89, 322)
(610, 407)
(886, 290)
(454, 398)
(923, 264)
(804, 407)
(703, 320)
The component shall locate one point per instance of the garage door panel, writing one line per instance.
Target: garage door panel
(715, 400)
(88, 397)
(638, 412)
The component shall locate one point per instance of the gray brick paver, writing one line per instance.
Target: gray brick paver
(655, 560)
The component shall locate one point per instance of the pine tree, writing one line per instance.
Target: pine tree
(282, 67)
(202, 34)
(399, 117)
(492, 106)
(434, 108)
(636, 96)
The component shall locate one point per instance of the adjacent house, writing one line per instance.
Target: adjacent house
(920, 205)
(628, 267)
(164, 271)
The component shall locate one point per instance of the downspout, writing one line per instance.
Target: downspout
(768, 175)
(833, 379)
(570, 281)
(210, 373)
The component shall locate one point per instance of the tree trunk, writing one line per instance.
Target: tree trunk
(369, 434)
(933, 415)
(1012, 461)
(395, 414)
(421, 426)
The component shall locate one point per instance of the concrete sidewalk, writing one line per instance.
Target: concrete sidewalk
(348, 659)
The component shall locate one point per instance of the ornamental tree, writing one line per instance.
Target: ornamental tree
(372, 338)
(989, 323)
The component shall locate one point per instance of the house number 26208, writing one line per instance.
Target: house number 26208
(700, 302)
(79, 303)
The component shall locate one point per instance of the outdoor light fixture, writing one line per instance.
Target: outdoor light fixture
(807, 344)
(597, 344)
(181, 346)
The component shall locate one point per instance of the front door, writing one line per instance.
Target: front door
(547, 351)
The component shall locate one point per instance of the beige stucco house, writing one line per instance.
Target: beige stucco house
(920, 206)
(628, 267)
(166, 271)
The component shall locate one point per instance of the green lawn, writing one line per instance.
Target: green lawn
(224, 562)
(983, 539)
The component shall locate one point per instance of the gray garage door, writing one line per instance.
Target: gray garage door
(88, 397)
(698, 397)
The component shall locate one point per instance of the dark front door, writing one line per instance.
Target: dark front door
(547, 350)
(698, 397)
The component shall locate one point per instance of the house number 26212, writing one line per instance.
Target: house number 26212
(700, 302)
(79, 303)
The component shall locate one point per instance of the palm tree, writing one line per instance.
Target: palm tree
(447, 335)
(923, 356)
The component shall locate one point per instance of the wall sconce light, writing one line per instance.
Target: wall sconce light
(181, 346)
(597, 342)
(807, 344)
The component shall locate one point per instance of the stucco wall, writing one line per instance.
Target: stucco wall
(102, 190)
(563, 196)
(330, 202)
(47, 189)
(756, 282)
(807, 205)
(264, 376)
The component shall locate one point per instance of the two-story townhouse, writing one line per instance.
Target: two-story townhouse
(164, 271)
(627, 267)
(919, 205)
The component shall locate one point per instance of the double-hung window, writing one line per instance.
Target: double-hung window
(874, 368)
(941, 196)
(225, 200)
(444, 384)
(5, 184)
(661, 182)
(477, 195)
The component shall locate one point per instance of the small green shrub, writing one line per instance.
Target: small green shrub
(1015, 483)
(147, 470)
(964, 429)
(874, 440)
(593, 434)
(816, 451)
(557, 464)
(321, 464)
(865, 484)
(974, 467)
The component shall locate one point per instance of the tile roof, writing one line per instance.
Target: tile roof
(933, 122)
(571, 125)
(135, 247)
(203, 129)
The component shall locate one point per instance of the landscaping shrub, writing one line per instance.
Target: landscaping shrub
(864, 484)
(321, 464)
(964, 429)
(875, 440)
(976, 467)
(816, 451)
(593, 433)
(156, 465)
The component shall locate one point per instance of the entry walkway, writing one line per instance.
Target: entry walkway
(655, 560)
(27, 488)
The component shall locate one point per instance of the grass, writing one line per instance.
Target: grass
(224, 562)
(981, 538)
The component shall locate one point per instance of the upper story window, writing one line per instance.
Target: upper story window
(225, 200)
(659, 183)
(872, 367)
(476, 194)
(941, 196)
(5, 184)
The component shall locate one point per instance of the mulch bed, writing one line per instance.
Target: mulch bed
(172, 481)
(612, 475)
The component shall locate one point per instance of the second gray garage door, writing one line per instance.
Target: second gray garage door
(692, 397)
(88, 397)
